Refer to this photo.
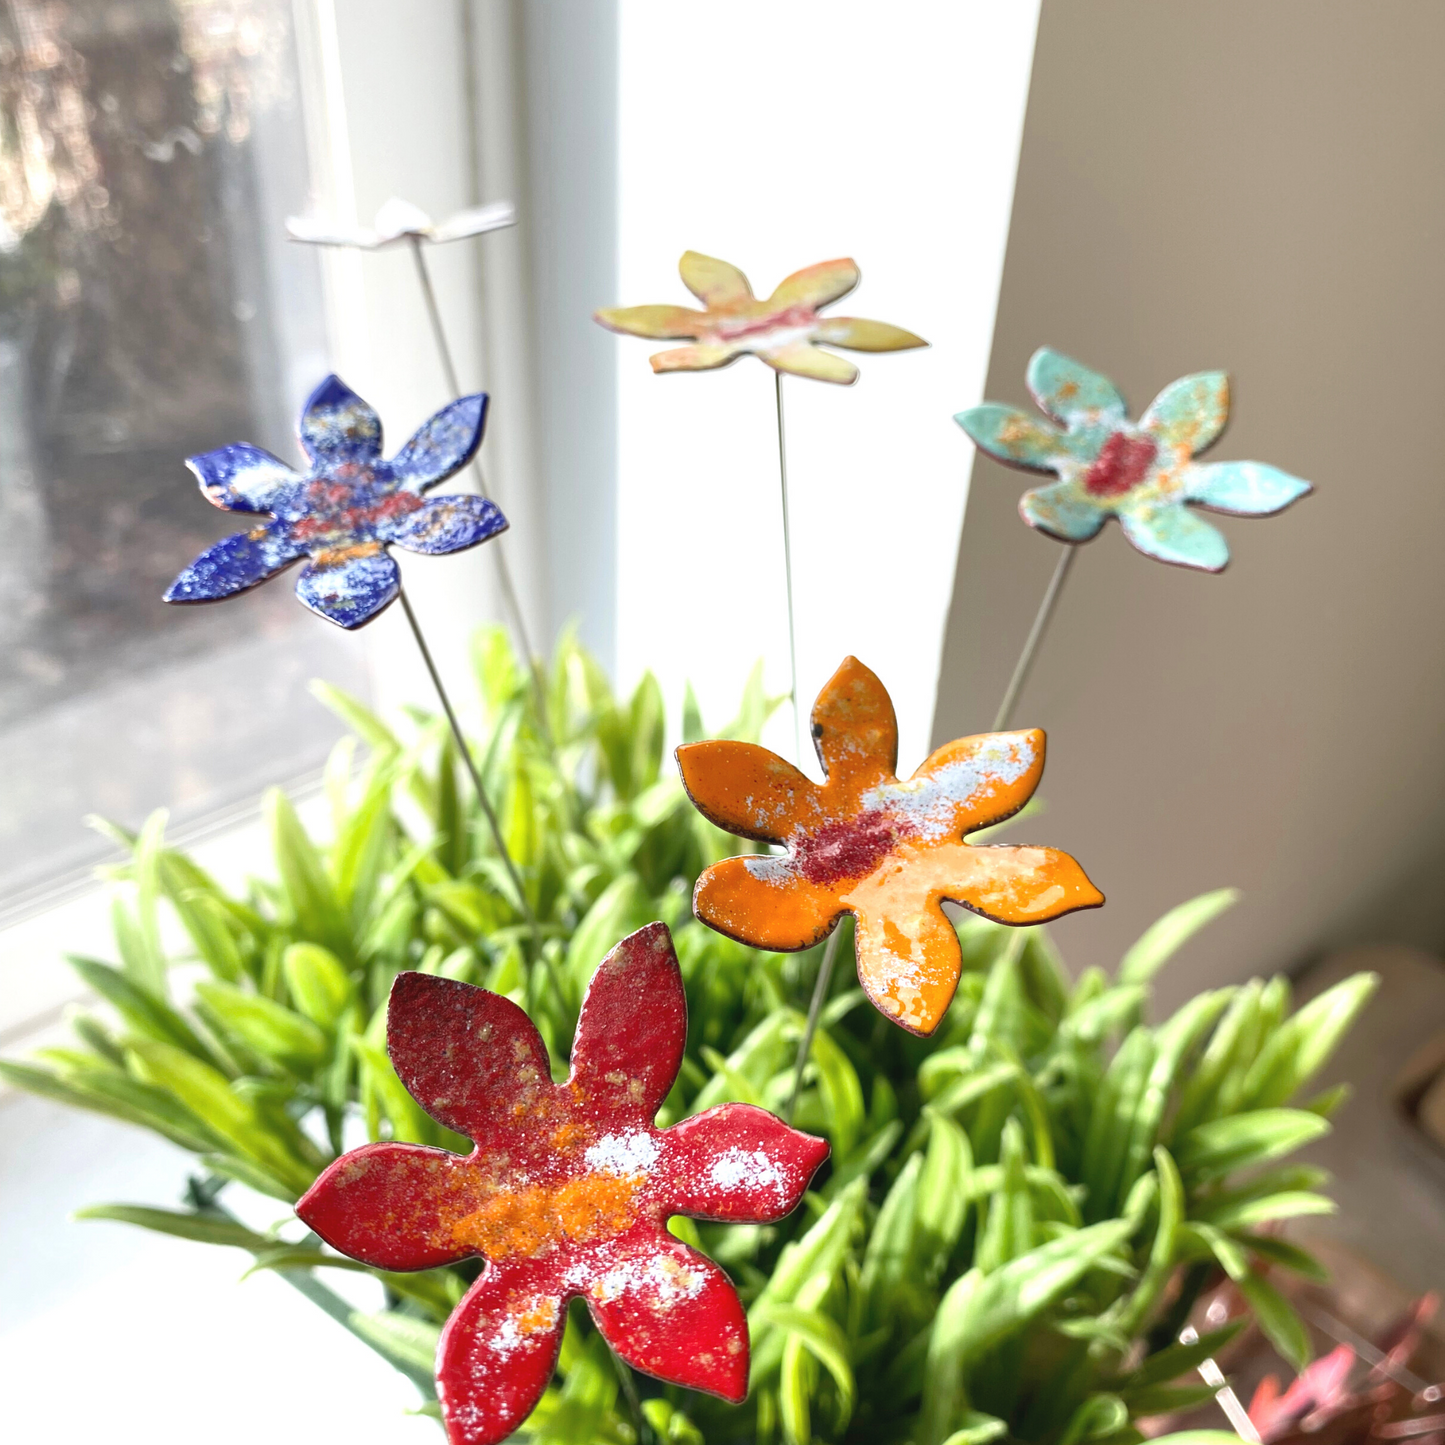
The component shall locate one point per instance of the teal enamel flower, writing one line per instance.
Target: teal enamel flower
(1143, 472)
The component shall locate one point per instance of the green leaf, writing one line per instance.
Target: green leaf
(823, 1338)
(401, 1338)
(1302, 1045)
(269, 1028)
(841, 1093)
(142, 1009)
(1291, 1204)
(317, 983)
(202, 1228)
(1286, 1255)
(207, 1094)
(979, 1311)
(1165, 937)
(244, 1171)
(116, 1096)
(941, 1207)
(1221, 1146)
(1173, 1044)
(1175, 1360)
(308, 888)
(1160, 1268)
(1111, 1121)
(1283, 1327)
(358, 717)
(976, 1428)
(1099, 1416)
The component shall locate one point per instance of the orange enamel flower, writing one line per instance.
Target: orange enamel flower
(785, 330)
(889, 852)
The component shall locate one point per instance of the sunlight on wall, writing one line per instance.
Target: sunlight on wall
(888, 135)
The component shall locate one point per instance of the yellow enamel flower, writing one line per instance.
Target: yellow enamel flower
(786, 330)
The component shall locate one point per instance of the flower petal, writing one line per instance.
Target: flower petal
(443, 444)
(475, 221)
(235, 563)
(1070, 392)
(855, 729)
(338, 427)
(1248, 489)
(908, 957)
(818, 284)
(1015, 884)
(973, 782)
(242, 478)
(762, 901)
(1190, 412)
(746, 789)
(717, 284)
(349, 585)
(672, 1313)
(736, 1163)
(472, 1059)
(908, 953)
(662, 322)
(498, 1351)
(449, 524)
(1062, 510)
(396, 218)
(1014, 437)
(387, 1205)
(1172, 533)
(860, 335)
(632, 1030)
(802, 358)
(693, 358)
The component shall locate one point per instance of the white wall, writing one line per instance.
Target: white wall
(776, 136)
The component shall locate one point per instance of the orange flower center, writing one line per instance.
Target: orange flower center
(529, 1222)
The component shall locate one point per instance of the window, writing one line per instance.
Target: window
(150, 308)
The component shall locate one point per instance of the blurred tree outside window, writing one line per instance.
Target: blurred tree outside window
(150, 308)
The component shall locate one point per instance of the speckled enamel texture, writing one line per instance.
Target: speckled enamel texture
(345, 511)
(889, 852)
(785, 330)
(568, 1190)
(1144, 473)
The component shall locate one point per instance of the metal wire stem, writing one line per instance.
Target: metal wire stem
(504, 575)
(788, 572)
(471, 766)
(815, 1008)
(1036, 636)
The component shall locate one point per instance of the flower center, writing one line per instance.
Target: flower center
(738, 328)
(533, 1220)
(338, 513)
(1120, 466)
(852, 848)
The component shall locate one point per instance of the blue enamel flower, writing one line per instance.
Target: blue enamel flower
(345, 511)
(1142, 472)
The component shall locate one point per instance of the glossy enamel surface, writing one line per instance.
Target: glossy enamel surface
(784, 330)
(568, 1190)
(400, 220)
(1142, 472)
(887, 851)
(343, 512)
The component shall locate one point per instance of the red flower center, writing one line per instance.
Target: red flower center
(1120, 466)
(339, 514)
(852, 848)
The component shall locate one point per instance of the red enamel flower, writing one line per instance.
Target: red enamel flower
(568, 1190)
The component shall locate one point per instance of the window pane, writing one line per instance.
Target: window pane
(150, 308)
